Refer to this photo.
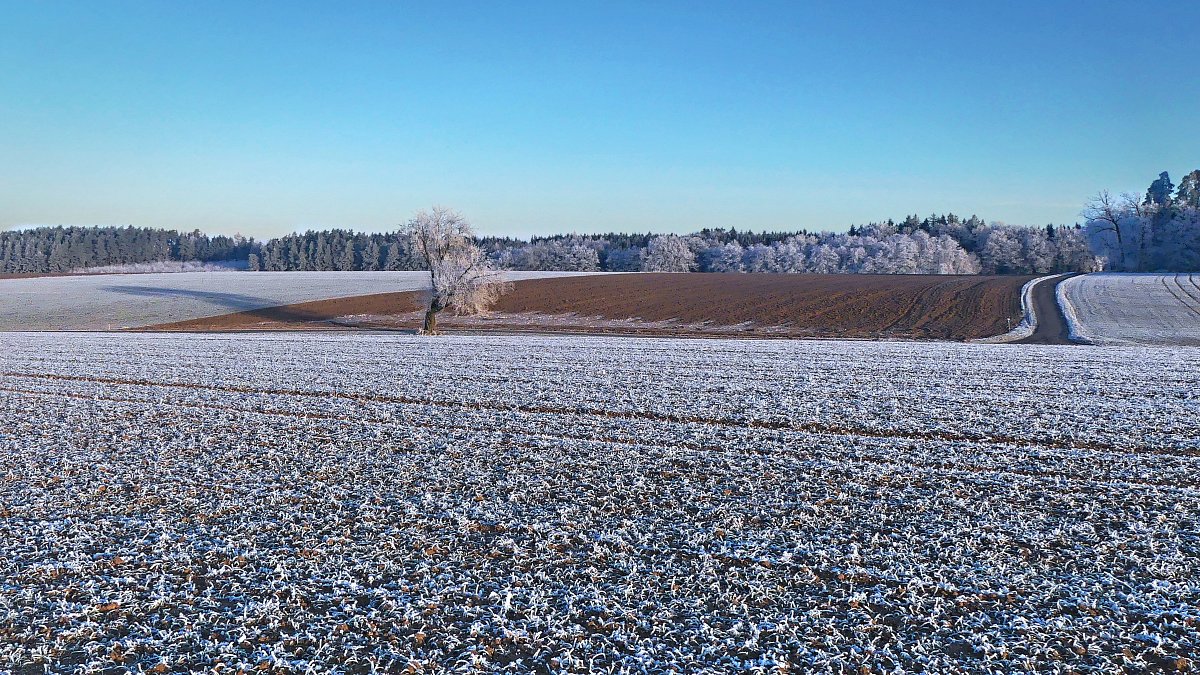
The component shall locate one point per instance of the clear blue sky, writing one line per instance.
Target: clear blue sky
(265, 117)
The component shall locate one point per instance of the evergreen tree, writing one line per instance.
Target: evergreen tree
(1188, 193)
(1160, 190)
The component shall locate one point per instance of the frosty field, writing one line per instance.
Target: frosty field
(342, 502)
(114, 301)
(1146, 309)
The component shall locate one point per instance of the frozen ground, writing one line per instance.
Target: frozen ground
(108, 302)
(346, 503)
(1133, 309)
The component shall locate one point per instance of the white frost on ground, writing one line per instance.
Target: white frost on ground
(174, 266)
(1133, 309)
(354, 503)
(1028, 314)
(110, 302)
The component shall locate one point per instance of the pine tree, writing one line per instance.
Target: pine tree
(1160, 190)
(347, 260)
(1188, 193)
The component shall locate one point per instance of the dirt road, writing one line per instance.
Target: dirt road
(1052, 328)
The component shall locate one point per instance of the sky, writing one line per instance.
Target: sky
(534, 118)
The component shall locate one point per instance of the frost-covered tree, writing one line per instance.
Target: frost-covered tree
(1156, 233)
(948, 257)
(791, 256)
(1072, 252)
(823, 259)
(571, 255)
(1037, 251)
(624, 259)
(461, 276)
(1188, 193)
(724, 258)
(759, 258)
(346, 259)
(1111, 222)
(1178, 242)
(669, 253)
(1001, 252)
(371, 256)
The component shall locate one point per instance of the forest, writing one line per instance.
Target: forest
(61, 250)
(1153, 232)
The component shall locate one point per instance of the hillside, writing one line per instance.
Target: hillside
(1133, 309)
(772, 305)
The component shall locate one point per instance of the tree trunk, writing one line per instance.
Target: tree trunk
(430, 323)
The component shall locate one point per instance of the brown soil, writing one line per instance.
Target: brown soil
(767, 305)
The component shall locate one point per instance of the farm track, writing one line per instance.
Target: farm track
(1052, 327)
(353, 502)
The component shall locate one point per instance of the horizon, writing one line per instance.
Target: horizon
(543, 120)
(550, 235)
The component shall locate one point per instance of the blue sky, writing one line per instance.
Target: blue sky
(532, 118)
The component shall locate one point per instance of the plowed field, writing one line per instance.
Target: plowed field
(804, 305)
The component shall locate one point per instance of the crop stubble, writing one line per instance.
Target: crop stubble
(565, 504)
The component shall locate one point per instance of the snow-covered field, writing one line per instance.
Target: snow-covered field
(108, 302)
(1133, 309)
(536, 504)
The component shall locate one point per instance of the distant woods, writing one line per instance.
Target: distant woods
(1157, 231)
(50, 250)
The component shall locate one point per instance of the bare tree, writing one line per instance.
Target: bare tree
(1105, 213)
(461, 277)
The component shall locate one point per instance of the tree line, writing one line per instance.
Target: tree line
(1157, 231)
(50, 250)
(939, 244)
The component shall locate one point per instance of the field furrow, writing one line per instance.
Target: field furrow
(1134, 309)
(518, 504)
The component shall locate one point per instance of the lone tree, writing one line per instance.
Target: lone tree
(461, 277)
(1107, 214)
